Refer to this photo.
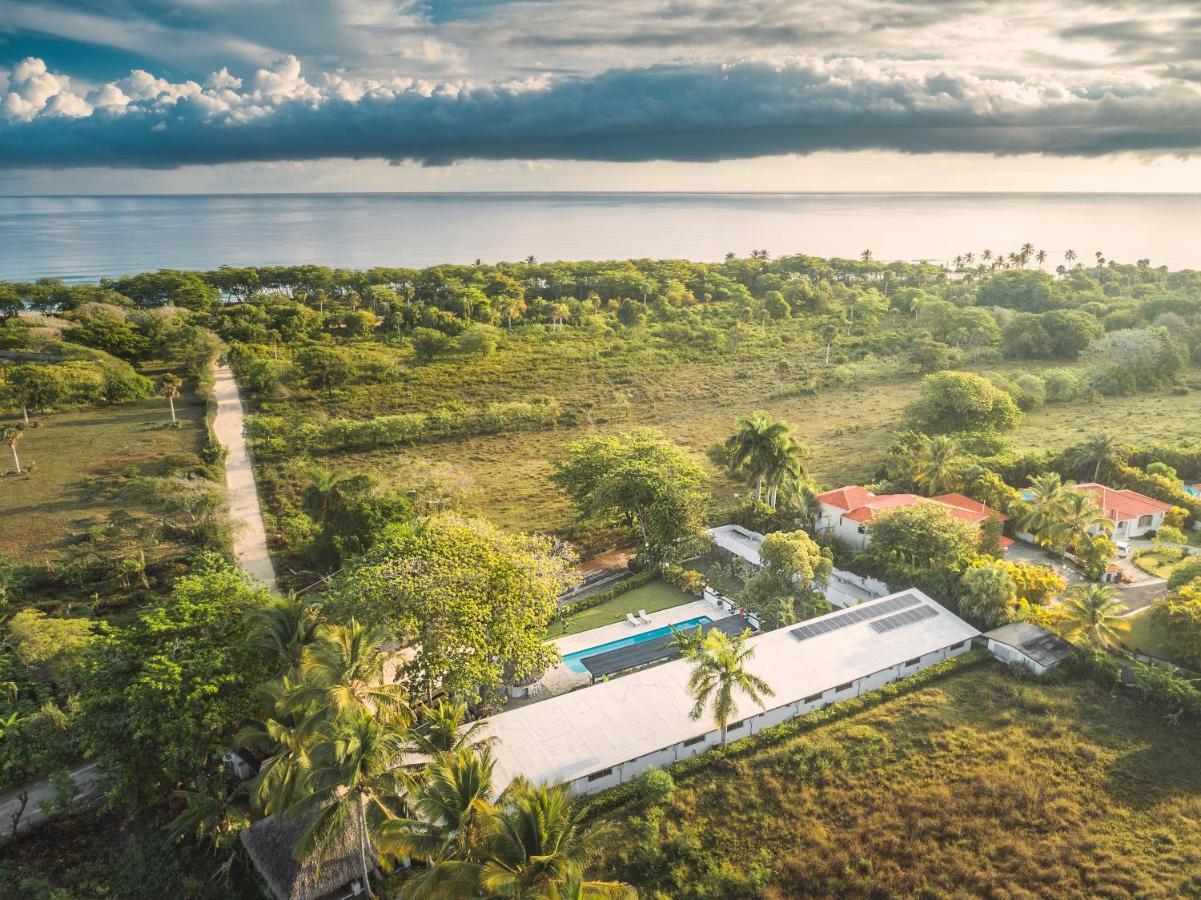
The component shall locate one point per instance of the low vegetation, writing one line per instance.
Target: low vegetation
(934, 791)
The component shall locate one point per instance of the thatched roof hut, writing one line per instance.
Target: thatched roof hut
(271, 843)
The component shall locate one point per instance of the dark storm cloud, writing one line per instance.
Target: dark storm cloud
(686, 113)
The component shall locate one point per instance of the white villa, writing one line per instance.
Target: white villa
(1133, 514)
(600, 736)
(847, 511)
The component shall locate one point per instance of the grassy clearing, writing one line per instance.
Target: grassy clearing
(692, 396)
(652, 597)
(973, 785)
(67, 450)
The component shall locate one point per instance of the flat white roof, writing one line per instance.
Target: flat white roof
(738, 540)
(597, 727)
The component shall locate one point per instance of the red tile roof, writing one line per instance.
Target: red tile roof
(868, 510)
(968, 503)
(1122, 505)
(847, 498)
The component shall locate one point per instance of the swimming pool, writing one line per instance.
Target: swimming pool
(572, 660)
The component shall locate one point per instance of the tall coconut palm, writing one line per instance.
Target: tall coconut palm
(786, 467)
(12, 437)
(1069, 255)
(342, 671)
(281, 630)
(719, 669)
(443, 728)
(286, 745)
(828, 332)
(1094, 613)
(1041, 257)
(762, 448)
(1039, 513)
(169, 386)
(1097, 450)
(542, 846)
(1078, 516)
(353, 787)
(939, 466)
(452, 821)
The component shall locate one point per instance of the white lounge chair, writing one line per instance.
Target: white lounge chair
(643, 616)
(633, 621)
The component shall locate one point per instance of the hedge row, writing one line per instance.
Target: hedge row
(279, 435)
(595, 600)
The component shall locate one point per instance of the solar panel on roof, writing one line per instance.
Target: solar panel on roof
(856, 614)
(908, 617)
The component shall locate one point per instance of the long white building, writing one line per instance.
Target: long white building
(606, 734)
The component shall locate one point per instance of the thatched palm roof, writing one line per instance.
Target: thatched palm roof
(271, 843)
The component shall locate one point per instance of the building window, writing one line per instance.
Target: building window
(862, 529)
(692, 742)
(1144, 521)
(913, 662)
(736, 725)
(844, 687)
(812, 698)
(603, 773)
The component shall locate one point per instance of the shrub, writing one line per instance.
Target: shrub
(962, 401)
(657, 785)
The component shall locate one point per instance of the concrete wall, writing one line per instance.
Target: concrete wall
(1008, 654)
(760, 720)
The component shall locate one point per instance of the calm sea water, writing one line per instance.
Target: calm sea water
(84, 238)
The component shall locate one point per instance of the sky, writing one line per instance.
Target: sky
(146, 96)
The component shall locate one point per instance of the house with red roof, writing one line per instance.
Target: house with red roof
(846, 512)
(1133, 514)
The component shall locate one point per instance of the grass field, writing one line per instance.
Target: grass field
(652, 597)
(55, 501)
(973, 785)
(1145, 636)
(1160, 562)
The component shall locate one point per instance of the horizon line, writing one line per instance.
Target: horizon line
(603, 193)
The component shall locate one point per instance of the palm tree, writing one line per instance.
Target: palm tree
(866, 256)
(1078, 516)
(1041, 256)
(1069, 255)
(351, 790)
(542, 847)
(342, 671)
(326, 488)
(12, 437)
(762, 450)
(939, 467)
(828, 332)
(786, 467)
(688, 641)
(1094, 613)
(1040, 512)
(718, 670)
(1097, 450)
(452, 820)
(281, 629)
(442, 730)
(287, 745)
(169, 386)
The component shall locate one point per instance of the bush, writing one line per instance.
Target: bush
(428, 343)
(962, 401)
(657, 785)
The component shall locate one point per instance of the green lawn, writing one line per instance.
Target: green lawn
(1145, 636)
(654, 596)
(971, 785)
(67, 450)
(1161, 563)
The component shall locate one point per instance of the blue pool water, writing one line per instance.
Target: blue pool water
(1192, 490)
(573, 659)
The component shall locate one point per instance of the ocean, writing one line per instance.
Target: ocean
(84, 238)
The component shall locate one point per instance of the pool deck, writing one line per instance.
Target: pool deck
(560, 679)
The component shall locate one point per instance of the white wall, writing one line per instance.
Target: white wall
(760, 720)
(1008, 654)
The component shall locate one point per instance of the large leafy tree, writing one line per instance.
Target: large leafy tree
(921, 545)
(1180, 616)
(638, 478)
(962, 401)
(719, 671)
(789, 582)
(470, 601)
(167, 692)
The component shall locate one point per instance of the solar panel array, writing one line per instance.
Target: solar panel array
(855, 614)
(908, 617)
